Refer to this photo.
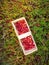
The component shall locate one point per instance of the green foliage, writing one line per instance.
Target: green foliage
(36, 13)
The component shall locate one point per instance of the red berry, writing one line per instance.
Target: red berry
(28, 43)
(21, 26)
(0, 18)
(7, 21)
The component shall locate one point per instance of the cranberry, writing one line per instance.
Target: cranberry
(21, 27)
(28, 43)
(7, 21)
(0, 18)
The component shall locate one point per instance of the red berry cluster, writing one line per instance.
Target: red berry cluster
(28, 43)
(21, 26)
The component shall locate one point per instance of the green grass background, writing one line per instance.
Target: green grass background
(36, 13)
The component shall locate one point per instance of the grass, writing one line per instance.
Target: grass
(36, 13)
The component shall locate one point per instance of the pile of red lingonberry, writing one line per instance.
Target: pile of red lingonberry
(21, 27)
(28, 43)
